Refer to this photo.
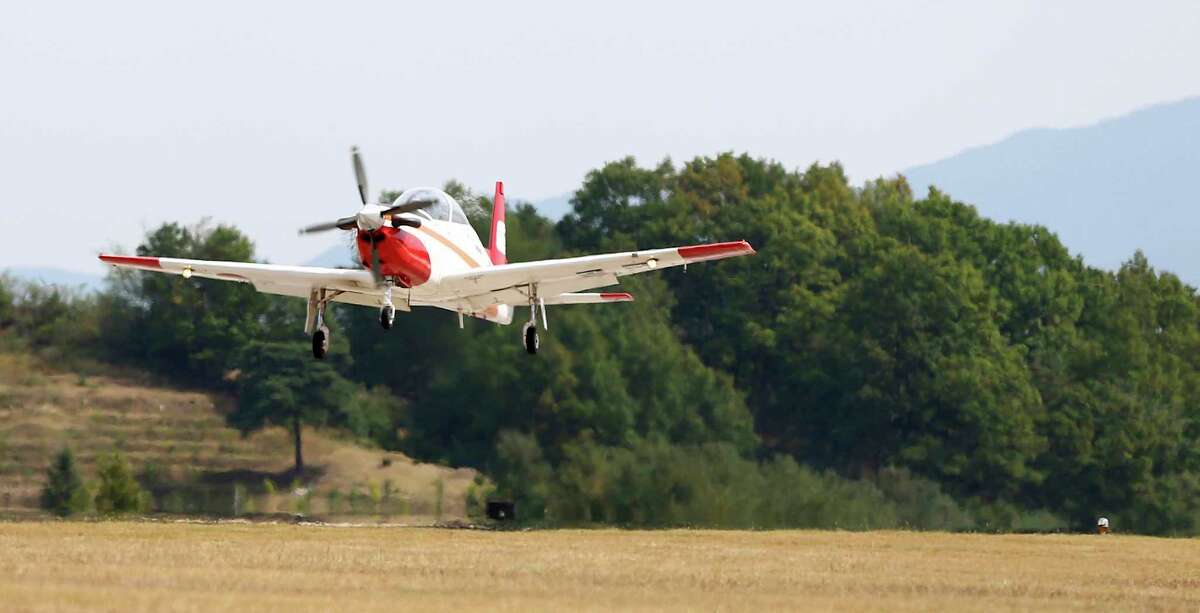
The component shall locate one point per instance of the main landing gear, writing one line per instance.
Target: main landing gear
(315, 323)
(320, 343)
(530, 337)
(529, 332)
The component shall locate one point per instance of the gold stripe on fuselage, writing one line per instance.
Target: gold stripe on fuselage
(466, 257)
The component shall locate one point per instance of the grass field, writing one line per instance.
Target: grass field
(161, 566)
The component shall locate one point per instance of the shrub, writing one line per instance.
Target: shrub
(920, 503)
(118, 492)
(64, 493)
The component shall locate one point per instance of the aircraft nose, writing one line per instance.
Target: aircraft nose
(368, 220)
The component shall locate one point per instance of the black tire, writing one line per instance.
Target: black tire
(320, 343)
(387, 315)
(531, 340)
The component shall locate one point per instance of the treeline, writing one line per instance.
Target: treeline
(885, 360)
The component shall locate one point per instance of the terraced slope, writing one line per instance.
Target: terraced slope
(180, 438)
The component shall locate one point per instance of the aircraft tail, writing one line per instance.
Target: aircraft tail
(496, 246)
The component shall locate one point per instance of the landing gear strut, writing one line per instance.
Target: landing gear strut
(315, 323)
(529, 333)
(387, 314)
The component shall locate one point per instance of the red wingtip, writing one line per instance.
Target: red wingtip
(617, 296)
(130, 260)
(716, 251)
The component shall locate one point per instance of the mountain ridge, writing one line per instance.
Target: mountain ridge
(1107, 189)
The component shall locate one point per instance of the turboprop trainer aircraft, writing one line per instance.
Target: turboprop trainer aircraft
(421, 251)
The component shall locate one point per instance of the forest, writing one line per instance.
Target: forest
(887, 359)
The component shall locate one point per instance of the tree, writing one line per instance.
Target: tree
(191, 328)
(64, 493)
(280, 384)
(117, 491)
(6, 300)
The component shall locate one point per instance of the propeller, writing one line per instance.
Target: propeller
(370, 217)
(345, 223)
(360, 174)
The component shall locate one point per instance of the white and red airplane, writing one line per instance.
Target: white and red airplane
(421, 251)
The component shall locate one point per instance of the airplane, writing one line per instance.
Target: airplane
(420, 251)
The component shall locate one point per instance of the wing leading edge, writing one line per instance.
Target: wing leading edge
(511, 283)
(267, 278)
(556, 281)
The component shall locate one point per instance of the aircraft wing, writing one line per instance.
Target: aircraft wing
(509, 283)
(268, 278)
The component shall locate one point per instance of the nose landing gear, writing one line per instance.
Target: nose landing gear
(387, 314)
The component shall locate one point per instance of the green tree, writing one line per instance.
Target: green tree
(190, 328)
(280, 384)
(117, 491)
(7, 298)
(64, 493)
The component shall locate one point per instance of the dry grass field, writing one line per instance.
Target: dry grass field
(198, 567)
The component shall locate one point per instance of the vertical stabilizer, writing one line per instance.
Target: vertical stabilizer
(496, 247)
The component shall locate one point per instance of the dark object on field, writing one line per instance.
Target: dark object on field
(501, 510)
(386, 462)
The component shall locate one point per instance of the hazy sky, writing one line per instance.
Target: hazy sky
(115, 117)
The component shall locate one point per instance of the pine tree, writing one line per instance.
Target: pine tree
(118, 491)
(64, 493)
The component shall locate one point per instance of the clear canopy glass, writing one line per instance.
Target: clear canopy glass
(444, 207)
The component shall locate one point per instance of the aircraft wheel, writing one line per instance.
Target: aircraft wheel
(387, 315)
(320, 343)
(531, 338)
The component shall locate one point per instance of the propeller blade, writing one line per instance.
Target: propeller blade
(408, 207)
(375, 272)
(360, 174)
(345, 223)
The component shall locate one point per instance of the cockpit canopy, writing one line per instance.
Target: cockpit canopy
(444, 208)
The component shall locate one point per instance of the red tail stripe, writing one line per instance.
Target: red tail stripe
(494, 252)
(131, 260)
(715, 250)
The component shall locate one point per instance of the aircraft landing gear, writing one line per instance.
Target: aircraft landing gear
(315, 322)
(387, 314)
(530, 336)
(529, 333)
(320, 343)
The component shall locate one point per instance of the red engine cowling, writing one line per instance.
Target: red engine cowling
(401, 255)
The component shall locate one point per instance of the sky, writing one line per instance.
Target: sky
(116, 117)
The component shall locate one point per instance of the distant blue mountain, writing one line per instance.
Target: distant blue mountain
(1106, 189)
(69, 279)
(337, 256)
(554, 208)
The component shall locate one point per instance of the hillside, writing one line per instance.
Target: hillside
(180, 438)
(1106, 189)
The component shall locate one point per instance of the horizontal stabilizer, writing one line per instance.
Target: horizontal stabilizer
(590, 298)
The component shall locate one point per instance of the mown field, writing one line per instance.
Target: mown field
(172, 566)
